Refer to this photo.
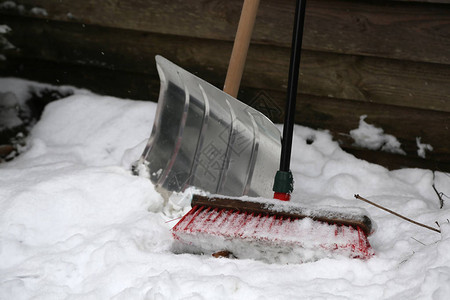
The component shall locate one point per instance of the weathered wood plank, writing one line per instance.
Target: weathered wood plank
(368, 79)
(127, 85)
(427, 1)
(340, 116)
(393, 161)
(337, 115)
(401, 30)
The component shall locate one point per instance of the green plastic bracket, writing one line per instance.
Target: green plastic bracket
(284, 182)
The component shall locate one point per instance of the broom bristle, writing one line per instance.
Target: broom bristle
(266, 236)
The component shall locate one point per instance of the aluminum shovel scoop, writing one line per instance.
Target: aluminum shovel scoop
(205, 138)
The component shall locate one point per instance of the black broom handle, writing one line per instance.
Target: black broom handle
(294, 66)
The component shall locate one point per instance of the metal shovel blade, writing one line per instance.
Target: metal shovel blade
(205, 138)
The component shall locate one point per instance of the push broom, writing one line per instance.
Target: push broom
(274, 230)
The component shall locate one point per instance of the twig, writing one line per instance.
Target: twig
(439, 194)
(418, 241)
(396, 214)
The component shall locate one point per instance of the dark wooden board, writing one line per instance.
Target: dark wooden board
(340, 116)
(428, 1)
(336, 115)
(393, 29)
(367, 79)
(394, 161)
(99, 80)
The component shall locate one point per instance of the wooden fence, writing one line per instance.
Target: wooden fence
(389, 60)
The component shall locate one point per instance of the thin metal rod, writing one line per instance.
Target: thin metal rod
(294, 66)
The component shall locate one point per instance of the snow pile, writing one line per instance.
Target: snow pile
(75, 223)
(422, 148)
(374, 138)
(23, 90)
(39, 11)
(21, 104)
(4, 29)
(4, 43)
(8, 108)
(21, 9)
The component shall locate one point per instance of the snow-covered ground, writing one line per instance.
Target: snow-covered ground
(76, 224)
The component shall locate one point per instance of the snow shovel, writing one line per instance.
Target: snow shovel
(206, 138)
(270, 229)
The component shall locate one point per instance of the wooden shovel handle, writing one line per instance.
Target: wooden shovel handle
(240, 47)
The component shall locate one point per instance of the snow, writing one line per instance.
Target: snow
(76, 224)
(4, 29)
(4, 43)
(8, 109)
(39, 11)
(371, 137)
(422, 148)
(13, 6)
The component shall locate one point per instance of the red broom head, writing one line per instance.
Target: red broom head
(256, 230)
